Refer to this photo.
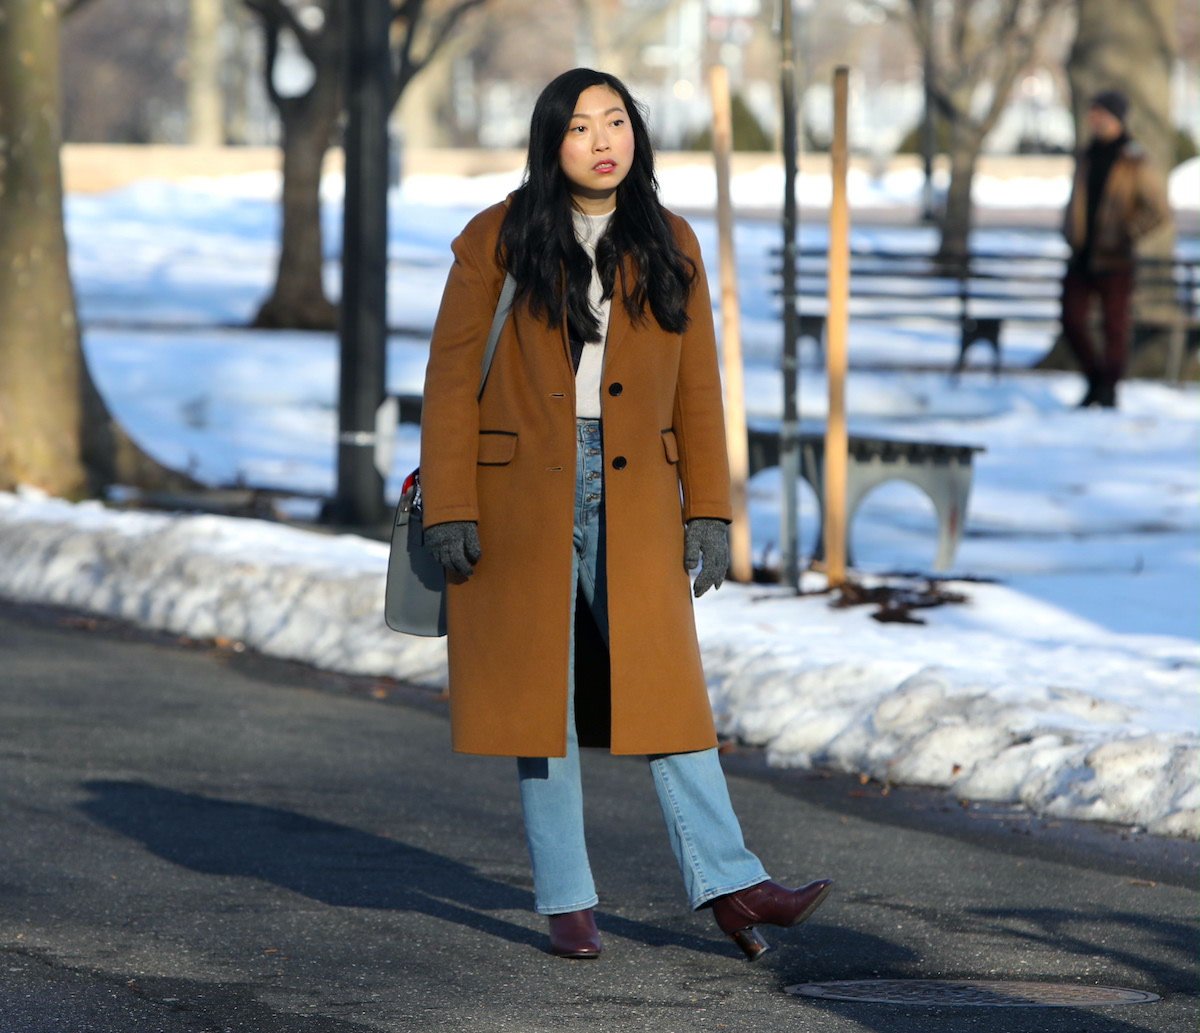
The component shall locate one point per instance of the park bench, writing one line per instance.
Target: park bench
(983, 291)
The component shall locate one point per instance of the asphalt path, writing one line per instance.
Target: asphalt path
(197, 839)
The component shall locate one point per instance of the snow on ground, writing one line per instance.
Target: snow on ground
(1070, 684)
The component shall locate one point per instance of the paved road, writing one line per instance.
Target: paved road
(197, 840)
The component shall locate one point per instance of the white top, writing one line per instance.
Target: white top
(588, 231)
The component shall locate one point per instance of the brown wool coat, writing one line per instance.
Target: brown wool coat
(508, 462)
(1133, 203)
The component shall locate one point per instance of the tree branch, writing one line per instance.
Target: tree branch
(409, 12)
(271, 44)
(1016, 58)
(407, 67)
(446, 28)
(277, 15)
(999, 37)
(916, 16)
(944, 102)
(958, 27)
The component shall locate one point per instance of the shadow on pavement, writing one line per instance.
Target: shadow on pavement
(1168, 966)
(335, 864)
(834, 954)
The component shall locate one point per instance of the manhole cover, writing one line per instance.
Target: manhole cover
(976, 992)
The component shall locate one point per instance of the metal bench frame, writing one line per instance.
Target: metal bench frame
(944, 472)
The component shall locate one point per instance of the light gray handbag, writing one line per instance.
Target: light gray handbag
(414, 599)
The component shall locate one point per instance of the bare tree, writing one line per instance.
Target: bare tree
(976, 49)
(124, 72)
(55, 431)
(614, 32)
(309, 119)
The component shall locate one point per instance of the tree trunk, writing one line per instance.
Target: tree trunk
(40, 366)
(957, 217)
(1129, 47)
(206, 120)
(55, 431)
(298, 300)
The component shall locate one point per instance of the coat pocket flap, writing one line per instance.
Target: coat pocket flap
(670, 446)
(496, 447)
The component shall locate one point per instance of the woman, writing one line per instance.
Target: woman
(569, 501)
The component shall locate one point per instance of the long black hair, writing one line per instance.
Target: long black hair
(537, 240)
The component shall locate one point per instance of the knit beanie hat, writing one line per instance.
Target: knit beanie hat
(1112, 101)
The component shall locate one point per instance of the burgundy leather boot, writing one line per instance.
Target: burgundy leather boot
(574, 934)
(768, 903)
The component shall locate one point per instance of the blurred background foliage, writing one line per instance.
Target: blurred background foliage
(126, 70)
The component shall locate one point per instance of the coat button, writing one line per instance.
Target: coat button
(615, 389)
(619, 463)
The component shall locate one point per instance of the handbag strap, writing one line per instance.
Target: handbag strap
(502, 308)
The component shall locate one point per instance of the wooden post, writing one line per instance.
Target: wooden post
(741, 567)
(837, 309)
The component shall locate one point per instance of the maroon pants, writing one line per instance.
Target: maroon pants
(1115, 291)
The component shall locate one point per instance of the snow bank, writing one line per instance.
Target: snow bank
(287, 593)
(1041, 712)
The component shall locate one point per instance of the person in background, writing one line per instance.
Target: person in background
(569, 501)
(1117, 198)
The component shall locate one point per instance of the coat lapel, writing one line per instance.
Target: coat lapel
(619, 323)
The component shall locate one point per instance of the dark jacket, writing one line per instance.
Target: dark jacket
(1132, 203)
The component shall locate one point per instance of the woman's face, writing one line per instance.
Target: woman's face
(597, 151)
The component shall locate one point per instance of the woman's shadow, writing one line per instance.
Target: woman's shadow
(336, 864)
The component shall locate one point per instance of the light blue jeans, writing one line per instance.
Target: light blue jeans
(704, 832)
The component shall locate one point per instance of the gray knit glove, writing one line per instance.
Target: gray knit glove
(708, 538)
(455, 545)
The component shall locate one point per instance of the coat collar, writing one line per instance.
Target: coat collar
(619, 324)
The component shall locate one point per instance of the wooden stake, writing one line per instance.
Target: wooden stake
(741, 567)
(837, 309)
